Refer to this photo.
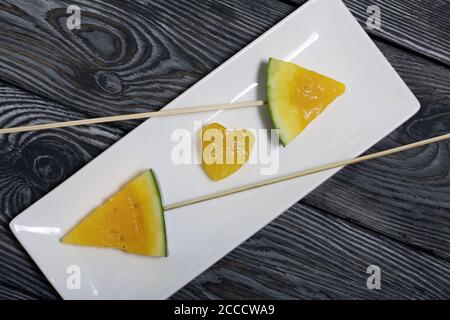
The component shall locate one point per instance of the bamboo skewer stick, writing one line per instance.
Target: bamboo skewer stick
(257, 103)
(134, 116)
(307, 172)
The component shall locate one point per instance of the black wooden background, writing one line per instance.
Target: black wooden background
(131, 56)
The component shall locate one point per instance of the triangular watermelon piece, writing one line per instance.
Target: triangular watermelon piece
(296, 96)
(131, 220)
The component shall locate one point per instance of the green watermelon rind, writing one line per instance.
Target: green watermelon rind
(271, 102)
(156, 194)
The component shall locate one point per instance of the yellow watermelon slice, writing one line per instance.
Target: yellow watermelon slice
(237, 143)
(132, 220)
(296, 96)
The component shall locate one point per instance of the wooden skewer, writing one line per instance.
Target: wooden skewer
(257, 103)
(134, 116)
(307, 172)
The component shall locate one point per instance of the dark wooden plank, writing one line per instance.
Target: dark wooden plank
(129, 56)
(422, 26)
(404, 196)
(308, 254)
(31, 164)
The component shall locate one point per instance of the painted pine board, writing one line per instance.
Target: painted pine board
(309, 254)
(31, 164)
(129, 56)
(185, 51)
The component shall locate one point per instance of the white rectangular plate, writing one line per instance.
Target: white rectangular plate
(321, 35)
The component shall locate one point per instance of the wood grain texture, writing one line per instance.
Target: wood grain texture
(404, 196)
(129, 56)
(422, 26)
(309, 254)
(31, 164)
(137, 56)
